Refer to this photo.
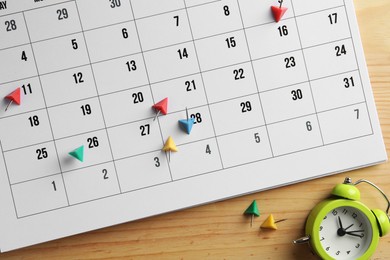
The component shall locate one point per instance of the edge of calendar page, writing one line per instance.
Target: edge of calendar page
(18, 233)
(6, 249)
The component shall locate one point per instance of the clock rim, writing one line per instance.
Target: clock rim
(317, 214)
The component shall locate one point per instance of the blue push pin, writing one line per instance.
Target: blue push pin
(187, 124)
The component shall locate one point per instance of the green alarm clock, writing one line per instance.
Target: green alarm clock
(342, 227)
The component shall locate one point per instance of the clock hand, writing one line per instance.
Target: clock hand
(355, 235)
(345, 229)
(354, 231)
(341, 230)
(341, 224)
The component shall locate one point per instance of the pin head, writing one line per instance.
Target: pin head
(161, 106)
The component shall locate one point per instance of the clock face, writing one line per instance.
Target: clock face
(345, 233)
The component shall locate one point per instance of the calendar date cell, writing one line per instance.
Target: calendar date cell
(280, 71)
(91, 183)
(323, 27)
(120, 74)
(39, 195)
(295, 135)
(256, 148)
(13, 31)
(214, 17)
(127, 106)
(345, 123)
(40, 160)
(68, 86)
(17, 63)
(246, 112)
(105, 12)
(53, 21)
(230, 82)
(76, 118)
(164, 30)
(136, 138)
(171, 62)
(202, 128)
(61, 53)
(273, 38)
(302, 7)
(154, 171)
(330, 59)
(195, 159)
(96, 150)
(25, 129)
(222, 50)
(30, 95)
(183, 92)
(144, 8)
(337, 91)
(287, 103)
(112, 42)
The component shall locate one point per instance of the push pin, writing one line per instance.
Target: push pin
(78, 153)
(13, 97)
(278, 11)
(253, 211)
(187, 124)
(161, 107)
(270, 223)
(170, 147)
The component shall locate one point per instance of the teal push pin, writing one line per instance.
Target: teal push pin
(78, 153)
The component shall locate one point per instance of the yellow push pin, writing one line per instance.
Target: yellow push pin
(270, 223)
(169, 147)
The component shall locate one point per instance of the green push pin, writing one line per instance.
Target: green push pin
(78, 153)
(252, 210)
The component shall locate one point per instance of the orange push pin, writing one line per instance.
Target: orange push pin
(13, 97)
(278, 11)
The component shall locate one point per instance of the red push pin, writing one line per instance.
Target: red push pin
(13, 97)
(278, 11)
(161, 107)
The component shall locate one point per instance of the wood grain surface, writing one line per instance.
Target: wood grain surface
(219, 230)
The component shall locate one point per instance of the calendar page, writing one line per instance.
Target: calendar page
(117, 110)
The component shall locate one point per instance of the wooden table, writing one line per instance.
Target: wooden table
(219, 230)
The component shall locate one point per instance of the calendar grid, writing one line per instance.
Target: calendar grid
(173, 11)
(191, 74)
(149, 84)
(307, 73)
(357, 62)
(255, 79)
(219, 135)
(203, 82)
(98, 97)
(116, 159)
(46, 110)
(114, 92)
(185, 178)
